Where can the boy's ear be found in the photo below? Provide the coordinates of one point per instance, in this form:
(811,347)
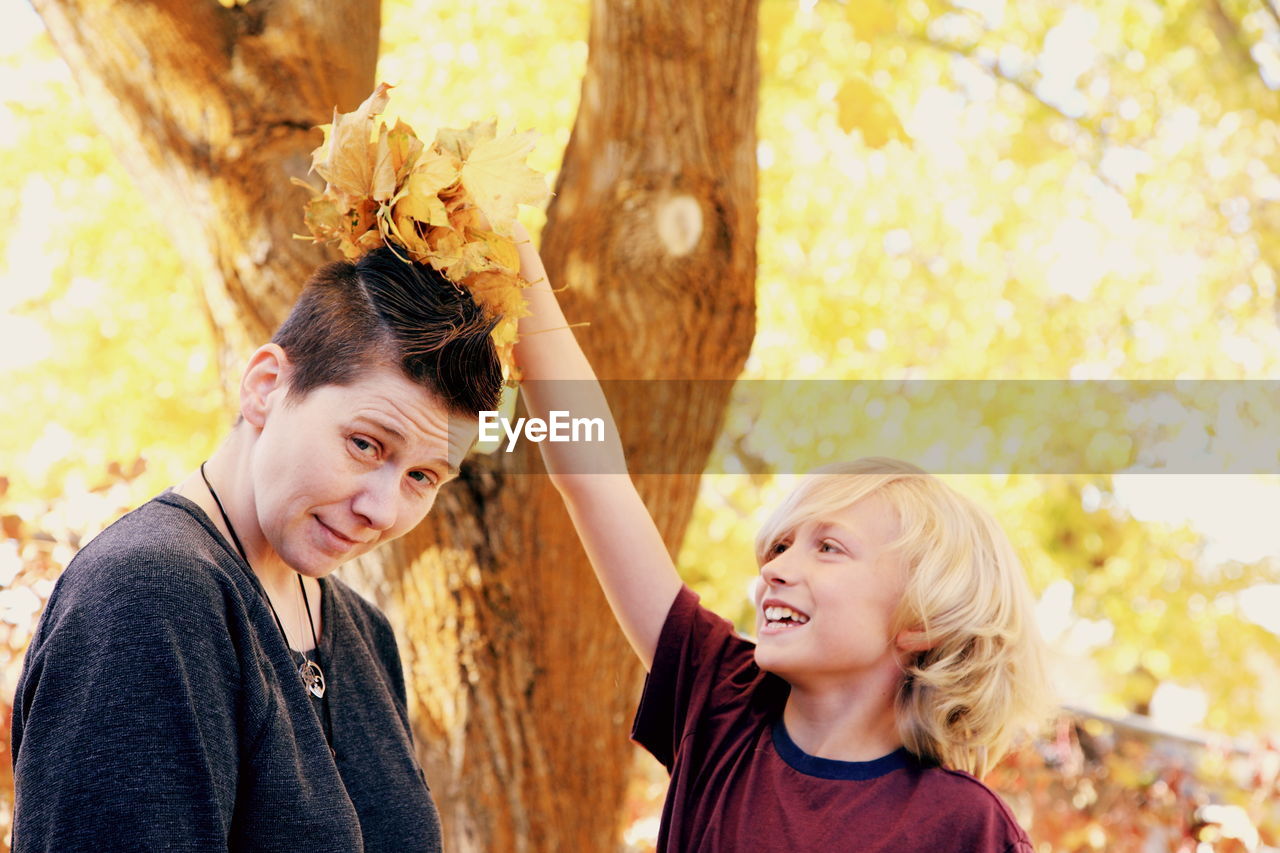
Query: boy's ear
(266,373)
(913,641)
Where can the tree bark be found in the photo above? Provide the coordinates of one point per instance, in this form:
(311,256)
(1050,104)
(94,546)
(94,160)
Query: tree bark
(212,111)
(652,231)
(522,686)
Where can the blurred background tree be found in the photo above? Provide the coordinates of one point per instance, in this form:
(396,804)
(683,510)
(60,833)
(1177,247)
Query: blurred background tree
(963,190)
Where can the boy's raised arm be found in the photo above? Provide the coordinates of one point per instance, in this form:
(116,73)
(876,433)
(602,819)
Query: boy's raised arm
(620,538)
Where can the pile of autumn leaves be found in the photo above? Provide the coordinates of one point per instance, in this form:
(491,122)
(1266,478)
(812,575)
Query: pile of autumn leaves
(451,204)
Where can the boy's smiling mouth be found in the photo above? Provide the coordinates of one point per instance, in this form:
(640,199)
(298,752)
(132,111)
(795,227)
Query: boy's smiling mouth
(780,617)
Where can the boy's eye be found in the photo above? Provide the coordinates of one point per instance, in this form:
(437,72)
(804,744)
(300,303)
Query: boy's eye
(829,546)
(778,548)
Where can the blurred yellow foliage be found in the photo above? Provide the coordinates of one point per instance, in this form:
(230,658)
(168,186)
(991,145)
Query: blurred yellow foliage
(871,19)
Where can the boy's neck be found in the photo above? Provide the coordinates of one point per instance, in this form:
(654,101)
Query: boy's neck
(858,724)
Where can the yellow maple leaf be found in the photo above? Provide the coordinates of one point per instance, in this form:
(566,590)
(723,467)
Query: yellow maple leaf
(506,355)
(498,179)
(463,218)
(444,247)
(383,181)
(405,148)
(419,197)
(349,249)
(405,231)
(427,209)
(363,217)
(369,240)
(501,250)
(454,197)
(504,334)
(345,159)
(472,258)
(435,170)
(498,293)
(325,219)
(462,141)
(424,207)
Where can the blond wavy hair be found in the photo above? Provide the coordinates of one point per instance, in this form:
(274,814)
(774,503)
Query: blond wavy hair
(981,678)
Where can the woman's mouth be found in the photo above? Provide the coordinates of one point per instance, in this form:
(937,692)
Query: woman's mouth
(335,541)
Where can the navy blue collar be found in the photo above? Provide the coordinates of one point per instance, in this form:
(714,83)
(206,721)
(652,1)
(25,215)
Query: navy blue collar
(829,768)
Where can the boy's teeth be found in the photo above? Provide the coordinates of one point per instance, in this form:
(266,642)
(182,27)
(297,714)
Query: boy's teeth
(775,613)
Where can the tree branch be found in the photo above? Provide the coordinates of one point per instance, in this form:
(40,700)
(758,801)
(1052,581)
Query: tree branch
(1272,10)
(1227,30)
(1025,86)
(1094,130)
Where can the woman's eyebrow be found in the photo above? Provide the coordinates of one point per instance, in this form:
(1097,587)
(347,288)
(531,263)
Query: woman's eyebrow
(383,426)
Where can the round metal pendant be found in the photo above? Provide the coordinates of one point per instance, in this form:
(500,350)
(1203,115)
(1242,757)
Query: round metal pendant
(312,678)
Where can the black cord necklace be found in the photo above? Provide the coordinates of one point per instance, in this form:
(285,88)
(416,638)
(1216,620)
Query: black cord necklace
(311,673)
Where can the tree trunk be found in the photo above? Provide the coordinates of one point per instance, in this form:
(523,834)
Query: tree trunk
(653,232)
(213,110)
(523,687)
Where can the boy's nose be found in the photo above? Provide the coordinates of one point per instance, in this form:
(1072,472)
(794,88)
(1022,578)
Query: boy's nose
(777,572)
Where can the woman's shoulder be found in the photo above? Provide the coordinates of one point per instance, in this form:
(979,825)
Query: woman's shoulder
(148,604)
(366,615)
(377,640)
(163,554)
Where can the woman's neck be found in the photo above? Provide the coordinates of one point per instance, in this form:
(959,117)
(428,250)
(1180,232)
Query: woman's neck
(229,477)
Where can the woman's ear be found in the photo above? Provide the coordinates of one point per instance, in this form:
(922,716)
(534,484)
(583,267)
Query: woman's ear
(265,374)
(913,641)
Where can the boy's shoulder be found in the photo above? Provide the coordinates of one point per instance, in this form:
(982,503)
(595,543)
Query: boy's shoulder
(963,807)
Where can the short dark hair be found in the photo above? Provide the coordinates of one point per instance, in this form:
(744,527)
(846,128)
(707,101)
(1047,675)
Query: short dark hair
(380,310)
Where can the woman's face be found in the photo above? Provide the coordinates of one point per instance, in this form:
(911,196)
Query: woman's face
(348,467)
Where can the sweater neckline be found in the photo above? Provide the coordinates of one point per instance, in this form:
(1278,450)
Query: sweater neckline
(326,599)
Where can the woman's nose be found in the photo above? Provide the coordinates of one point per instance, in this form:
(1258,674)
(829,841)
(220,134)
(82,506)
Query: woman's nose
(376,501)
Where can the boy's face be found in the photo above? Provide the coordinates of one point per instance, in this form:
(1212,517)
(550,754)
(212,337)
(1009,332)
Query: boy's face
(825,602)
(349,467)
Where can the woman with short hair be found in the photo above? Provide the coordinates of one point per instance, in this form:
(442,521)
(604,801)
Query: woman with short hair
(198,681)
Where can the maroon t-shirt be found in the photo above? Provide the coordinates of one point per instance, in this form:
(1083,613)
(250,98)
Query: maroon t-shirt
(738,781)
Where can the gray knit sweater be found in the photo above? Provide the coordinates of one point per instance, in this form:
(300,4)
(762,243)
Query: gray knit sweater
(160,709)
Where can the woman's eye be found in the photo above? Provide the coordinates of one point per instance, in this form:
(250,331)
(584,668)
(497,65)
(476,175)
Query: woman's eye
(363,445)
(778,548)
(828,546)
(422,477)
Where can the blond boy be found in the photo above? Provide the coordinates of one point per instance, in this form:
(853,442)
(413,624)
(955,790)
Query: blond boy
(895,650)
